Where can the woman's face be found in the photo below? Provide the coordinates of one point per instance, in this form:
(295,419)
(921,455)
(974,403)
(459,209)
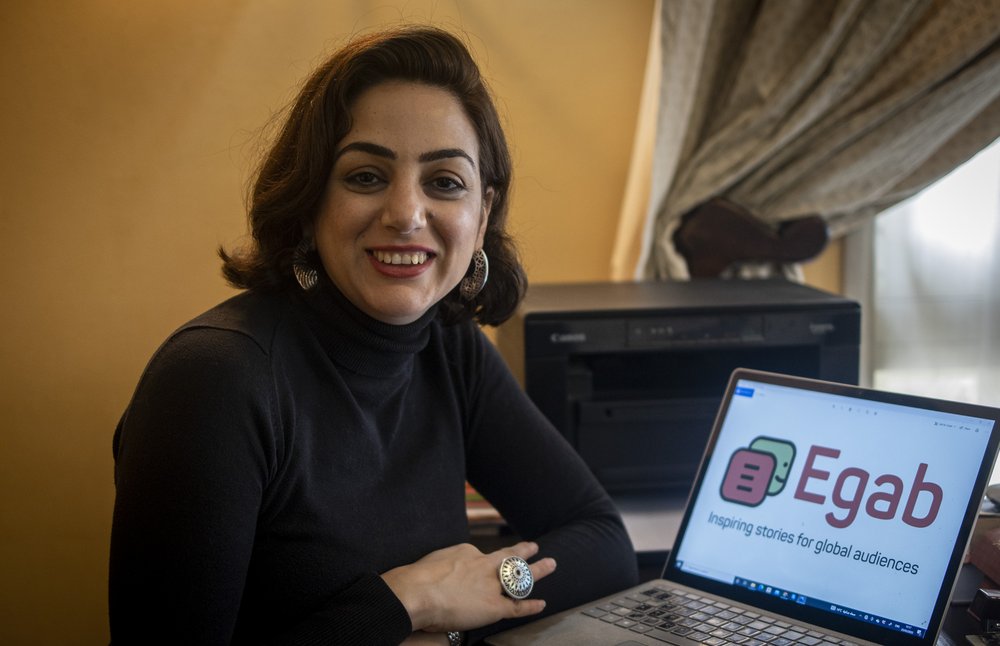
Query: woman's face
(404,208)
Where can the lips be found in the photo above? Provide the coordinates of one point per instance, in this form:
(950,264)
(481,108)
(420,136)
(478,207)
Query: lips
(401,263)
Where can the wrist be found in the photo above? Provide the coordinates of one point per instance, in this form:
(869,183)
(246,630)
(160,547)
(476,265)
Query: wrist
(408,596)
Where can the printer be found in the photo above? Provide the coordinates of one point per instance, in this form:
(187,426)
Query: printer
(632,373)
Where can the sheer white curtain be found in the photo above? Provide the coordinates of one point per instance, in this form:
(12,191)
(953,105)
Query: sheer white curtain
(935,310)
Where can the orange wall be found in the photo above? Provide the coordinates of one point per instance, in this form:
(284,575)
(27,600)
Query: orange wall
(128,131)
(825,271)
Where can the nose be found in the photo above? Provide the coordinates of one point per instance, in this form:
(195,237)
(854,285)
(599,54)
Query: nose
(404,208)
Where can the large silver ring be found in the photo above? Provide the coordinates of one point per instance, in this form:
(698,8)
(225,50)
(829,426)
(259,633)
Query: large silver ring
(515,577)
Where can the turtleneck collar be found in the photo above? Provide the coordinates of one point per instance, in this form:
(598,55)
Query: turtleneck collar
(358,342)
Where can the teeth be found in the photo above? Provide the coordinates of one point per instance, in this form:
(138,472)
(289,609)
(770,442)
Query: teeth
(411,258)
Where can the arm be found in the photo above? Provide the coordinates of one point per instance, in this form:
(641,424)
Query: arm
(541,486)
(195,454)
(190,466)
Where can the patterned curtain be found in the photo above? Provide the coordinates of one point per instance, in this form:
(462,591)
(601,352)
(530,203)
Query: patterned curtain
(839,108)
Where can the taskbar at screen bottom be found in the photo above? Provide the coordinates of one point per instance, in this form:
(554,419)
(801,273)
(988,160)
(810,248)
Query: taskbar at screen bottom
(791,596)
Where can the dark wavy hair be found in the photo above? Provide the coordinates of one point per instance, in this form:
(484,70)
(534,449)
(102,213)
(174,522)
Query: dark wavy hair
(292,177)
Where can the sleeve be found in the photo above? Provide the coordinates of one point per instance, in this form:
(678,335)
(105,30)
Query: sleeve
(521,463)
(366,612)
(193,456)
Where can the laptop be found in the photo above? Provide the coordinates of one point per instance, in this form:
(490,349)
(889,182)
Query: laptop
(822,513)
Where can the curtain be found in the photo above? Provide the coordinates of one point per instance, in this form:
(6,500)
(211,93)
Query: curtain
(789,108)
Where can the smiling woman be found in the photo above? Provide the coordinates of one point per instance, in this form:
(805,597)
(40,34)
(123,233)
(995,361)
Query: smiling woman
(292,466)
(150,116)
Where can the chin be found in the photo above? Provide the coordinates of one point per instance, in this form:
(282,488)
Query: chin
(399,316)
(397,307)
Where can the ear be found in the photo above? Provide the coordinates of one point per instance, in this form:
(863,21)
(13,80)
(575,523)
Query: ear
(484,219)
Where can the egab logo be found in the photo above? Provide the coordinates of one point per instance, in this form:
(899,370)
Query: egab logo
(762,470)
(757,472)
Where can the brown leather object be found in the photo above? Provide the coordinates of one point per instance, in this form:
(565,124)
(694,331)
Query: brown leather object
(718,233)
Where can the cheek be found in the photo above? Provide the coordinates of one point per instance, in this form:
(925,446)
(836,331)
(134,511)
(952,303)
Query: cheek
(465,240)
(460,228)
(337,229)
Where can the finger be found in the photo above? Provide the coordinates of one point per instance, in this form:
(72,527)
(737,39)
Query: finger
(527,607)
(524,549)
(542,568)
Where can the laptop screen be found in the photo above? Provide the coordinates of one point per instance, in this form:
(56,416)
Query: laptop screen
(835,504)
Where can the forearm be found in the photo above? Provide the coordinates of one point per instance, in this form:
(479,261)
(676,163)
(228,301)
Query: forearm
(542,487)
(367,612)
(596,558)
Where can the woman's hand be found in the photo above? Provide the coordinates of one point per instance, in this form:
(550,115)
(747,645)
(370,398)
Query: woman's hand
(457,588)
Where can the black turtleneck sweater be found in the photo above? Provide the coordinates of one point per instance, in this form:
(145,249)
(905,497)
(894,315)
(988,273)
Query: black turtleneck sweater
(282,450)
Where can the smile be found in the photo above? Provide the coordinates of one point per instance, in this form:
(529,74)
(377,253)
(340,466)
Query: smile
(396,258)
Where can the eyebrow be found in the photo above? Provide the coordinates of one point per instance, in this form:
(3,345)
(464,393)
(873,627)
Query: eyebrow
(382,151)
(447,153)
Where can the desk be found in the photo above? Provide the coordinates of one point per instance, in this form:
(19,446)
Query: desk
(651,519)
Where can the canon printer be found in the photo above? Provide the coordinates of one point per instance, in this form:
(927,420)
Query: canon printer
(632,373)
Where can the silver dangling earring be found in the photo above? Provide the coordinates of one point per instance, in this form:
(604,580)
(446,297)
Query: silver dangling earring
(306,275)
(472,284)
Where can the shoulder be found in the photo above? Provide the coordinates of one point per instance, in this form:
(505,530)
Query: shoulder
(258,317)
(209,391)
(232,343)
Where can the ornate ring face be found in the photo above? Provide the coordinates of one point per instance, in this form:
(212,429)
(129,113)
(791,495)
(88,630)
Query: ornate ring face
(515,577)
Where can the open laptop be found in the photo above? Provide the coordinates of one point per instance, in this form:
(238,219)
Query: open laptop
(821,514)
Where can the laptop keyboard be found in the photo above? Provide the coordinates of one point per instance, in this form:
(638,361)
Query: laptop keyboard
(664,614)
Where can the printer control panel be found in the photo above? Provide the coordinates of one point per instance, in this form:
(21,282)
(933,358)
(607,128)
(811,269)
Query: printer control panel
(670,330)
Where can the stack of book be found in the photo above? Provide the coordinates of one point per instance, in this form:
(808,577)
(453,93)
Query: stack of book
(480,512)
(984,553)
(984,547)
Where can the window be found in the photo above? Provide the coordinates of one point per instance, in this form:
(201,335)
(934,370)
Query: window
(927,273)
(935,314)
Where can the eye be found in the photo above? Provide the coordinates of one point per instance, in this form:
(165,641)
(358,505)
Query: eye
(447,185)
(364,180)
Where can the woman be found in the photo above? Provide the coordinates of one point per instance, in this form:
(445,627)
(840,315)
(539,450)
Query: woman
(291,467)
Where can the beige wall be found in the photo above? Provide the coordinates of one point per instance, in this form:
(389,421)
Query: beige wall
(128,131)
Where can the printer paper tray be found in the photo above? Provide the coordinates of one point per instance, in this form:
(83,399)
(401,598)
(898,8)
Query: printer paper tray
(644,444)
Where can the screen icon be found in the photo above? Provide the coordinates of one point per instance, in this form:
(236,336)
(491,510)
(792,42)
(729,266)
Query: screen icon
(748,477)
(758,471)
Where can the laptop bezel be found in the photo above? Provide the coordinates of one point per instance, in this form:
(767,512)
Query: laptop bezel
(799,613)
